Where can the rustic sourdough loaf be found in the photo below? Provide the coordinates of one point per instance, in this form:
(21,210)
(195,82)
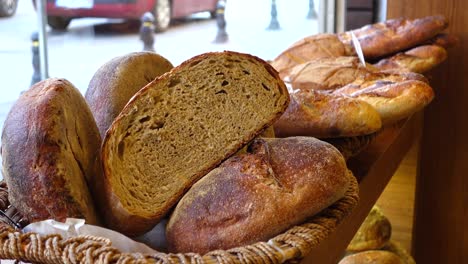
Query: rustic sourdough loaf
(254,196)
(179,127)
(50,143)
(374,232)
(115,82)
(372,257)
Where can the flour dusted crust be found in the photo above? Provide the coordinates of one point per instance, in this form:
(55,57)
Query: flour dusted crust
(256,195)
(50,151)
(179,127)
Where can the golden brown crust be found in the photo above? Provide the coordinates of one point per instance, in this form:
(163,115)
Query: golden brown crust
(118,215)
(372,257)
(115,82)
(308,48)
(374,232)
(396,248)
(322,115)
(445,40)
(254,196)
(50,146)
(326,73)
(420,59)
(395,97)
(394,35)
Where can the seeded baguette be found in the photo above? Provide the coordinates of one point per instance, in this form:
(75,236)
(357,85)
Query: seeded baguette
(179,127)
(115,82)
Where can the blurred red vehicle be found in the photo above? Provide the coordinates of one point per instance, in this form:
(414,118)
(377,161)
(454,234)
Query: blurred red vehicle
(61,12)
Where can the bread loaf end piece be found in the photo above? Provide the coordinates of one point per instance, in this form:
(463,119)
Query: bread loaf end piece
(372,257)
(50,145)
(179,127)
(254,196)
(115,82)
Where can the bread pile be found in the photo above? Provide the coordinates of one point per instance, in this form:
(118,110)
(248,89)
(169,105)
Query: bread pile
(150,142)
(333,95)
(372,243)
(182,147)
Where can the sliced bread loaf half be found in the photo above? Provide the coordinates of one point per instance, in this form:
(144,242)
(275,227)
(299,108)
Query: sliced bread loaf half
(178,128)
(115,82)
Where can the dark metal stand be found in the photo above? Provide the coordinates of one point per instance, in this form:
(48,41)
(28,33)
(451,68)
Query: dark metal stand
(36,77)
(312,13)
(274,24)
(147,31)
(221,36)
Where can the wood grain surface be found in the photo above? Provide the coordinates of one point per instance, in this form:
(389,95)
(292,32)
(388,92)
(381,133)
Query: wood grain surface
(441,210)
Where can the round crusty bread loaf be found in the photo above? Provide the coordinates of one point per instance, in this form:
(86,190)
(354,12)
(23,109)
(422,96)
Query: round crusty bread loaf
(50,150)
(179,127)
(254,196)
(372,257)
(115,82)
(374,232)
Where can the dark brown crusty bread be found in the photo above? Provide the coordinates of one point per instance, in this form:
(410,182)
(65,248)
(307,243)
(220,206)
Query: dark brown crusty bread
(309,48)
(394,35)
(179,127)
(374,232)
(254,196)
(394,96)
(115,82)
(50,146)
(372,257)
(322,115)
(420,59)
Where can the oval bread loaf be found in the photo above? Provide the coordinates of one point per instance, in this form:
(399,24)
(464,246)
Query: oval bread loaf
(179,127)
(115,82)
(50,146)
(372,257)
(254,196)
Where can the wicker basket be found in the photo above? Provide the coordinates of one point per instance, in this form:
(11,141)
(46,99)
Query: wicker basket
(290,246)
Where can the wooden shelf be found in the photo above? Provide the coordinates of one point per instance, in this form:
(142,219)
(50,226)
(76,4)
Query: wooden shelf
(373,168)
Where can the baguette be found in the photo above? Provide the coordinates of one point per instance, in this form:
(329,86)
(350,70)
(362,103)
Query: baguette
(395,97)
(50,150)
(115,82)
(394,35)
(252,197)
(420,59)
(179,127)
(317,114)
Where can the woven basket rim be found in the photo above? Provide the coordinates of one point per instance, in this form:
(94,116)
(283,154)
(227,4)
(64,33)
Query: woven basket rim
(293,244)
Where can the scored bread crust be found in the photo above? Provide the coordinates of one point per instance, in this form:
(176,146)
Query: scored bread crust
(306,49)
(254,196)
(395,97)
(420,59)
(322,115)
(181,106)
(394,35)
(326,73)
(50,147)
(115,82)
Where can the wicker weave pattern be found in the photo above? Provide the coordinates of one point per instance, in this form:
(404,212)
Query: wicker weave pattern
(291,245)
